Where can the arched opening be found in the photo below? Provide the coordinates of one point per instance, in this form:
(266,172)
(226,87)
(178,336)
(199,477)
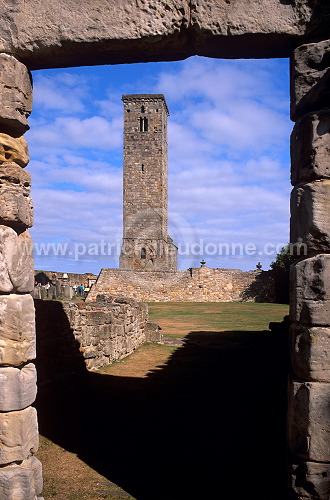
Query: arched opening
(143,253)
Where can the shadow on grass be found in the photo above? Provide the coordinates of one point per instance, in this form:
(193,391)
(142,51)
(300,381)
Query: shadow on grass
(209,424)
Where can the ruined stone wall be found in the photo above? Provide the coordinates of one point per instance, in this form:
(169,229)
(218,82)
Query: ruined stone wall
(73,337)
(72,279)
(196,285)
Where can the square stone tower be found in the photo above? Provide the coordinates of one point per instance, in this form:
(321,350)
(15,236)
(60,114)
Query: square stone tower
(146,244)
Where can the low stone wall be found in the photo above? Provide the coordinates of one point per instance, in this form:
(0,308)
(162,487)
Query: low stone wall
(193,285)
(63,277)
(73,336)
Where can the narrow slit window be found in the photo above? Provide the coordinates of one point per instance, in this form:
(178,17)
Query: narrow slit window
(143,124)
(143,253)
(142,167)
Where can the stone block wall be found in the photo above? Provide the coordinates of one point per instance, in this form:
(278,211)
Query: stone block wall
(309,385)
(20,471)
(195,285)
(73,337)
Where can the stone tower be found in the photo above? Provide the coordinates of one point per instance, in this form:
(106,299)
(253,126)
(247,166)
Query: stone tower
(146,244)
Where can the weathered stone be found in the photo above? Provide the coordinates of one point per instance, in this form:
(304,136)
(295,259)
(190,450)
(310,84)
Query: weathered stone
(153,332)
(16,261)
(309,420)
(17,483)
(15,94)
(310,481)
(117,331)
(310,352)
(310,291)
(90,352)
(109,31)
(310,221)
(21,482)
(310,78)
(18,435)
(13,150)
(110,350)
(95,317)
(16,208)
(17,329)
(35,466)
(18,387)
(310,148)
(222,21)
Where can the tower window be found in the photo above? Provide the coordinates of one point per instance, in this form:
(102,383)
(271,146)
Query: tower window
(143,253)
(142,109)
(142,167)
(143,124)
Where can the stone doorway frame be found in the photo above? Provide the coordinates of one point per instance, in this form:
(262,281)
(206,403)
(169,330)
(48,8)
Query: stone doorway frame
(34,35)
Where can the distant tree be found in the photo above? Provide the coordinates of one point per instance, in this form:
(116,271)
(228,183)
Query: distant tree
(281,271)
(258,266)
(284,259)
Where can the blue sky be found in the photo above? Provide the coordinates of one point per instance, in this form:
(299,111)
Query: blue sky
(229,161)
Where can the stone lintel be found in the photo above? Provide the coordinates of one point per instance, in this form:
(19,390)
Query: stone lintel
(112,31)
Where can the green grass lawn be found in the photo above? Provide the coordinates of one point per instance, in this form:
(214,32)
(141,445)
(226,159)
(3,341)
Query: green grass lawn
(180,318)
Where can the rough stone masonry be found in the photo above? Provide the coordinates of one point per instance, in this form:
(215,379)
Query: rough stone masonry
(20,471)
(146,244)
(309,385)
(75,336)
(37,34)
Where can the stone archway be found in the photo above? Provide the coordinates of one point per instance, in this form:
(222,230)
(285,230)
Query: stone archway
(35,35)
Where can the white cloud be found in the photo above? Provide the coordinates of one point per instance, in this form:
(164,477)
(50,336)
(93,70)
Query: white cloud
(61,92)
(242,125)
(70,132)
